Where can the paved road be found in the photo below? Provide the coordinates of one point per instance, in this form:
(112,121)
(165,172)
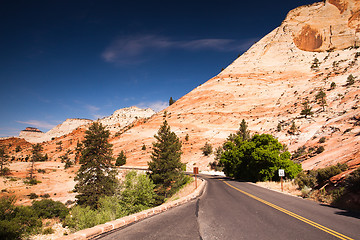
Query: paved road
(239,210)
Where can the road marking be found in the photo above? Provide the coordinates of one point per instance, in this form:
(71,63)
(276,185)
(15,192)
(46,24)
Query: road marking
(305,220)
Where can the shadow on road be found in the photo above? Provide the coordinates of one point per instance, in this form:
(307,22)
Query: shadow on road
(344,212)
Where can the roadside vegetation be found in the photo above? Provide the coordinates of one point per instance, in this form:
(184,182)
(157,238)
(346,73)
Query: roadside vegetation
(101,197)
(255,158)
(344,193)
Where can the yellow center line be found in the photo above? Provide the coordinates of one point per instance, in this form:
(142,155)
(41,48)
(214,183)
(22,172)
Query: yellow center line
(305,220)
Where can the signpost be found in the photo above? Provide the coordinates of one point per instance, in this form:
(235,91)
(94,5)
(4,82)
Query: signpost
(281,175)
(196,171)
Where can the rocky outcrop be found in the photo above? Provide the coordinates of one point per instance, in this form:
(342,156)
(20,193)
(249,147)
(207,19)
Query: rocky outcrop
(31,133)
(124,117)
(118,120)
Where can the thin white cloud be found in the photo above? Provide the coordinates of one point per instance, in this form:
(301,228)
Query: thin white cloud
(132,49)
(157,106)
(38,124)
(92,108)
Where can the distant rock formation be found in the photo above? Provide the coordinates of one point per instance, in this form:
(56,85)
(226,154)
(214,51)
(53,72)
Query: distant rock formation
(118,120)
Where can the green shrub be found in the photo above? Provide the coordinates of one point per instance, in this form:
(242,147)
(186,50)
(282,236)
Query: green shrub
(206,149)
(5,171)
(143,147)
(320,149)
(350,80)
(33,196)
(332,85)
(352,182)
(46,195)
(48,230)
(306,179)
(322,139)
(17,221)
(47,208)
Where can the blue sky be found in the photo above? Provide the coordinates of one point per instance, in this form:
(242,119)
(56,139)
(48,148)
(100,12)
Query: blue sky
(85,59)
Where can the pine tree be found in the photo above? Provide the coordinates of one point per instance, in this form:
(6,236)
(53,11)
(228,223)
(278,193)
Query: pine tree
(166,167)
(78,149)
(121,159)
(243,131)
(306,111)
(96,176)
(171,101)
(3,160)
(36,157)
(321,98)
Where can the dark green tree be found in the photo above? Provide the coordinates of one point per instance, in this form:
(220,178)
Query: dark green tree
(350,80)
(35,157)
(78,149)
(166,168)
(3,160)
(96,176)
(121,159)
(321,98)
(207,149)
(143,147)
(243,132)
(306,111)
(171,101)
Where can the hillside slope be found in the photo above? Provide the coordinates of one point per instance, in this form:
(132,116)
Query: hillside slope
(266,86)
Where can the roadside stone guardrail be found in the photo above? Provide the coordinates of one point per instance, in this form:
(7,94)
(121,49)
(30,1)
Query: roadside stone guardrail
(121,222)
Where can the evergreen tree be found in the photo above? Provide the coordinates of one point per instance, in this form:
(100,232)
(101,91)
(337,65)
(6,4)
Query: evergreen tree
(243,132)
(121,159)
(78,149)
(207,149)
(306,111)
(321,98)
(165,165)
(3,160)
(36,157)
(96,176)
(171,101)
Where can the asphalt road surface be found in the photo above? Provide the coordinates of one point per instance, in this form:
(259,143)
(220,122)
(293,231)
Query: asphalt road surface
(239,210)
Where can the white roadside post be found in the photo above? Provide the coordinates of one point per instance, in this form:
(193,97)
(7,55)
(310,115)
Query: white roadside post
(281,175)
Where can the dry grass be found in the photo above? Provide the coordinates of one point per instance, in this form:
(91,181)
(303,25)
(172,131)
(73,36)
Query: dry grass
(289,187)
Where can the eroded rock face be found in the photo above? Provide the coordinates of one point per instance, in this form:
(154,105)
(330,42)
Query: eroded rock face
(325,26)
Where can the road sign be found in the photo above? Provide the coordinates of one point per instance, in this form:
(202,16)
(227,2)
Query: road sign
(196,170)
(281,173)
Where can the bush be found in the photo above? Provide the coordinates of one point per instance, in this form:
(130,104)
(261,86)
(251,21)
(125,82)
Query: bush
(306,179)
(17,221)
(143,147)
(33,196)
(5,171)
(332,85)
(320,149)
(47,208)
(136,193)
(206,149)
(352,182)
(322,139)
(350,80)
(46,195)
(48,230)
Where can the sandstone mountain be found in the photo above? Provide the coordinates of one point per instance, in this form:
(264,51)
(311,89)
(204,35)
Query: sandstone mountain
(118,120)
(315,48)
